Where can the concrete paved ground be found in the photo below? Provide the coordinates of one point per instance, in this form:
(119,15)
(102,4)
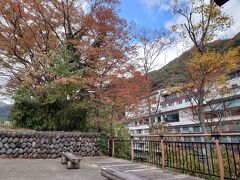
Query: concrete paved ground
(46,169)
(52,169)
(141,171)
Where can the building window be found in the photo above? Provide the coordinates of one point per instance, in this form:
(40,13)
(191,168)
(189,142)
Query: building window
(173,117)
(159,119)
(235,139)
(185,129)
(234,127)
(171,96)
(171,104)
(234,75)
(238,74)
(154,108)
(196,129)
(187,139)
(197,139)
(234,86)
(224,139)
(139,131)
(135,123)
(164,105)
(177,129)
(179,102)
(187,100)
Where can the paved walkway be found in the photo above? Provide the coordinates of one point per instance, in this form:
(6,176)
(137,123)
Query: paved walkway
(141,171)
(46,169)
(52,169)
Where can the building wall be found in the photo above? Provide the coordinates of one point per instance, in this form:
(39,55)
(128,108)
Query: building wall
(181,105)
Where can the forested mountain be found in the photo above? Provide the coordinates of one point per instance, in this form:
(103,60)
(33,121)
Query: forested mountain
(174,72)
(4,111)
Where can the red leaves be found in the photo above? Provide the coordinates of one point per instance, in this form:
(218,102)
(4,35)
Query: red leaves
(96,39)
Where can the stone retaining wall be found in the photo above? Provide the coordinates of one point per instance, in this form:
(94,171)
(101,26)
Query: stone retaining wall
(46,144)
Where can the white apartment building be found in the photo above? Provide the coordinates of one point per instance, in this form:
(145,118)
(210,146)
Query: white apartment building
(174,110)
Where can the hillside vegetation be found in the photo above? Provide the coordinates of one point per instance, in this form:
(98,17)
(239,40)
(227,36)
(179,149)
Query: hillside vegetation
(175,71)
(4,111)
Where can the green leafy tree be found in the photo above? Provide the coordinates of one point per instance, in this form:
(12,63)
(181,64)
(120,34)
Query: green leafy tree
(59,105)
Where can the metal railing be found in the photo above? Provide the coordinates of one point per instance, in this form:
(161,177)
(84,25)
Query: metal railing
(210,157)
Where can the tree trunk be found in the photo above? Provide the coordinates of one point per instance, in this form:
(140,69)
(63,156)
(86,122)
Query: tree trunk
(111,125)
(201,117)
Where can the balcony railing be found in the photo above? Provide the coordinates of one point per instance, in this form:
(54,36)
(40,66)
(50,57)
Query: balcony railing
(212,157)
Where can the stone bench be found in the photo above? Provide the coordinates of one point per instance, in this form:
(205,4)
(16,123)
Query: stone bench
(113,174)
(71,160)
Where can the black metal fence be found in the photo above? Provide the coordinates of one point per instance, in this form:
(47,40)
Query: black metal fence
(191,157)
(147,151)
(231,159)
(209,158)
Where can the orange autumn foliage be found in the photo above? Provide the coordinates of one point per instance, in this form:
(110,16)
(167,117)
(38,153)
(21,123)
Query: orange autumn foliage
(96,38)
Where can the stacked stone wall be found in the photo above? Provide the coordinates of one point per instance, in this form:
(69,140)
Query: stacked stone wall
(46,144)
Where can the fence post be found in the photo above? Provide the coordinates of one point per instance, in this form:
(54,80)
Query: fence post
(132,150)
(219,156)
(162,153)
(113,148)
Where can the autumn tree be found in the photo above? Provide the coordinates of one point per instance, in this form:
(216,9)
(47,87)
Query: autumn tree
(151,44)
(201,21)
(124,92)
(207,75)
(219,106)
(94,36)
